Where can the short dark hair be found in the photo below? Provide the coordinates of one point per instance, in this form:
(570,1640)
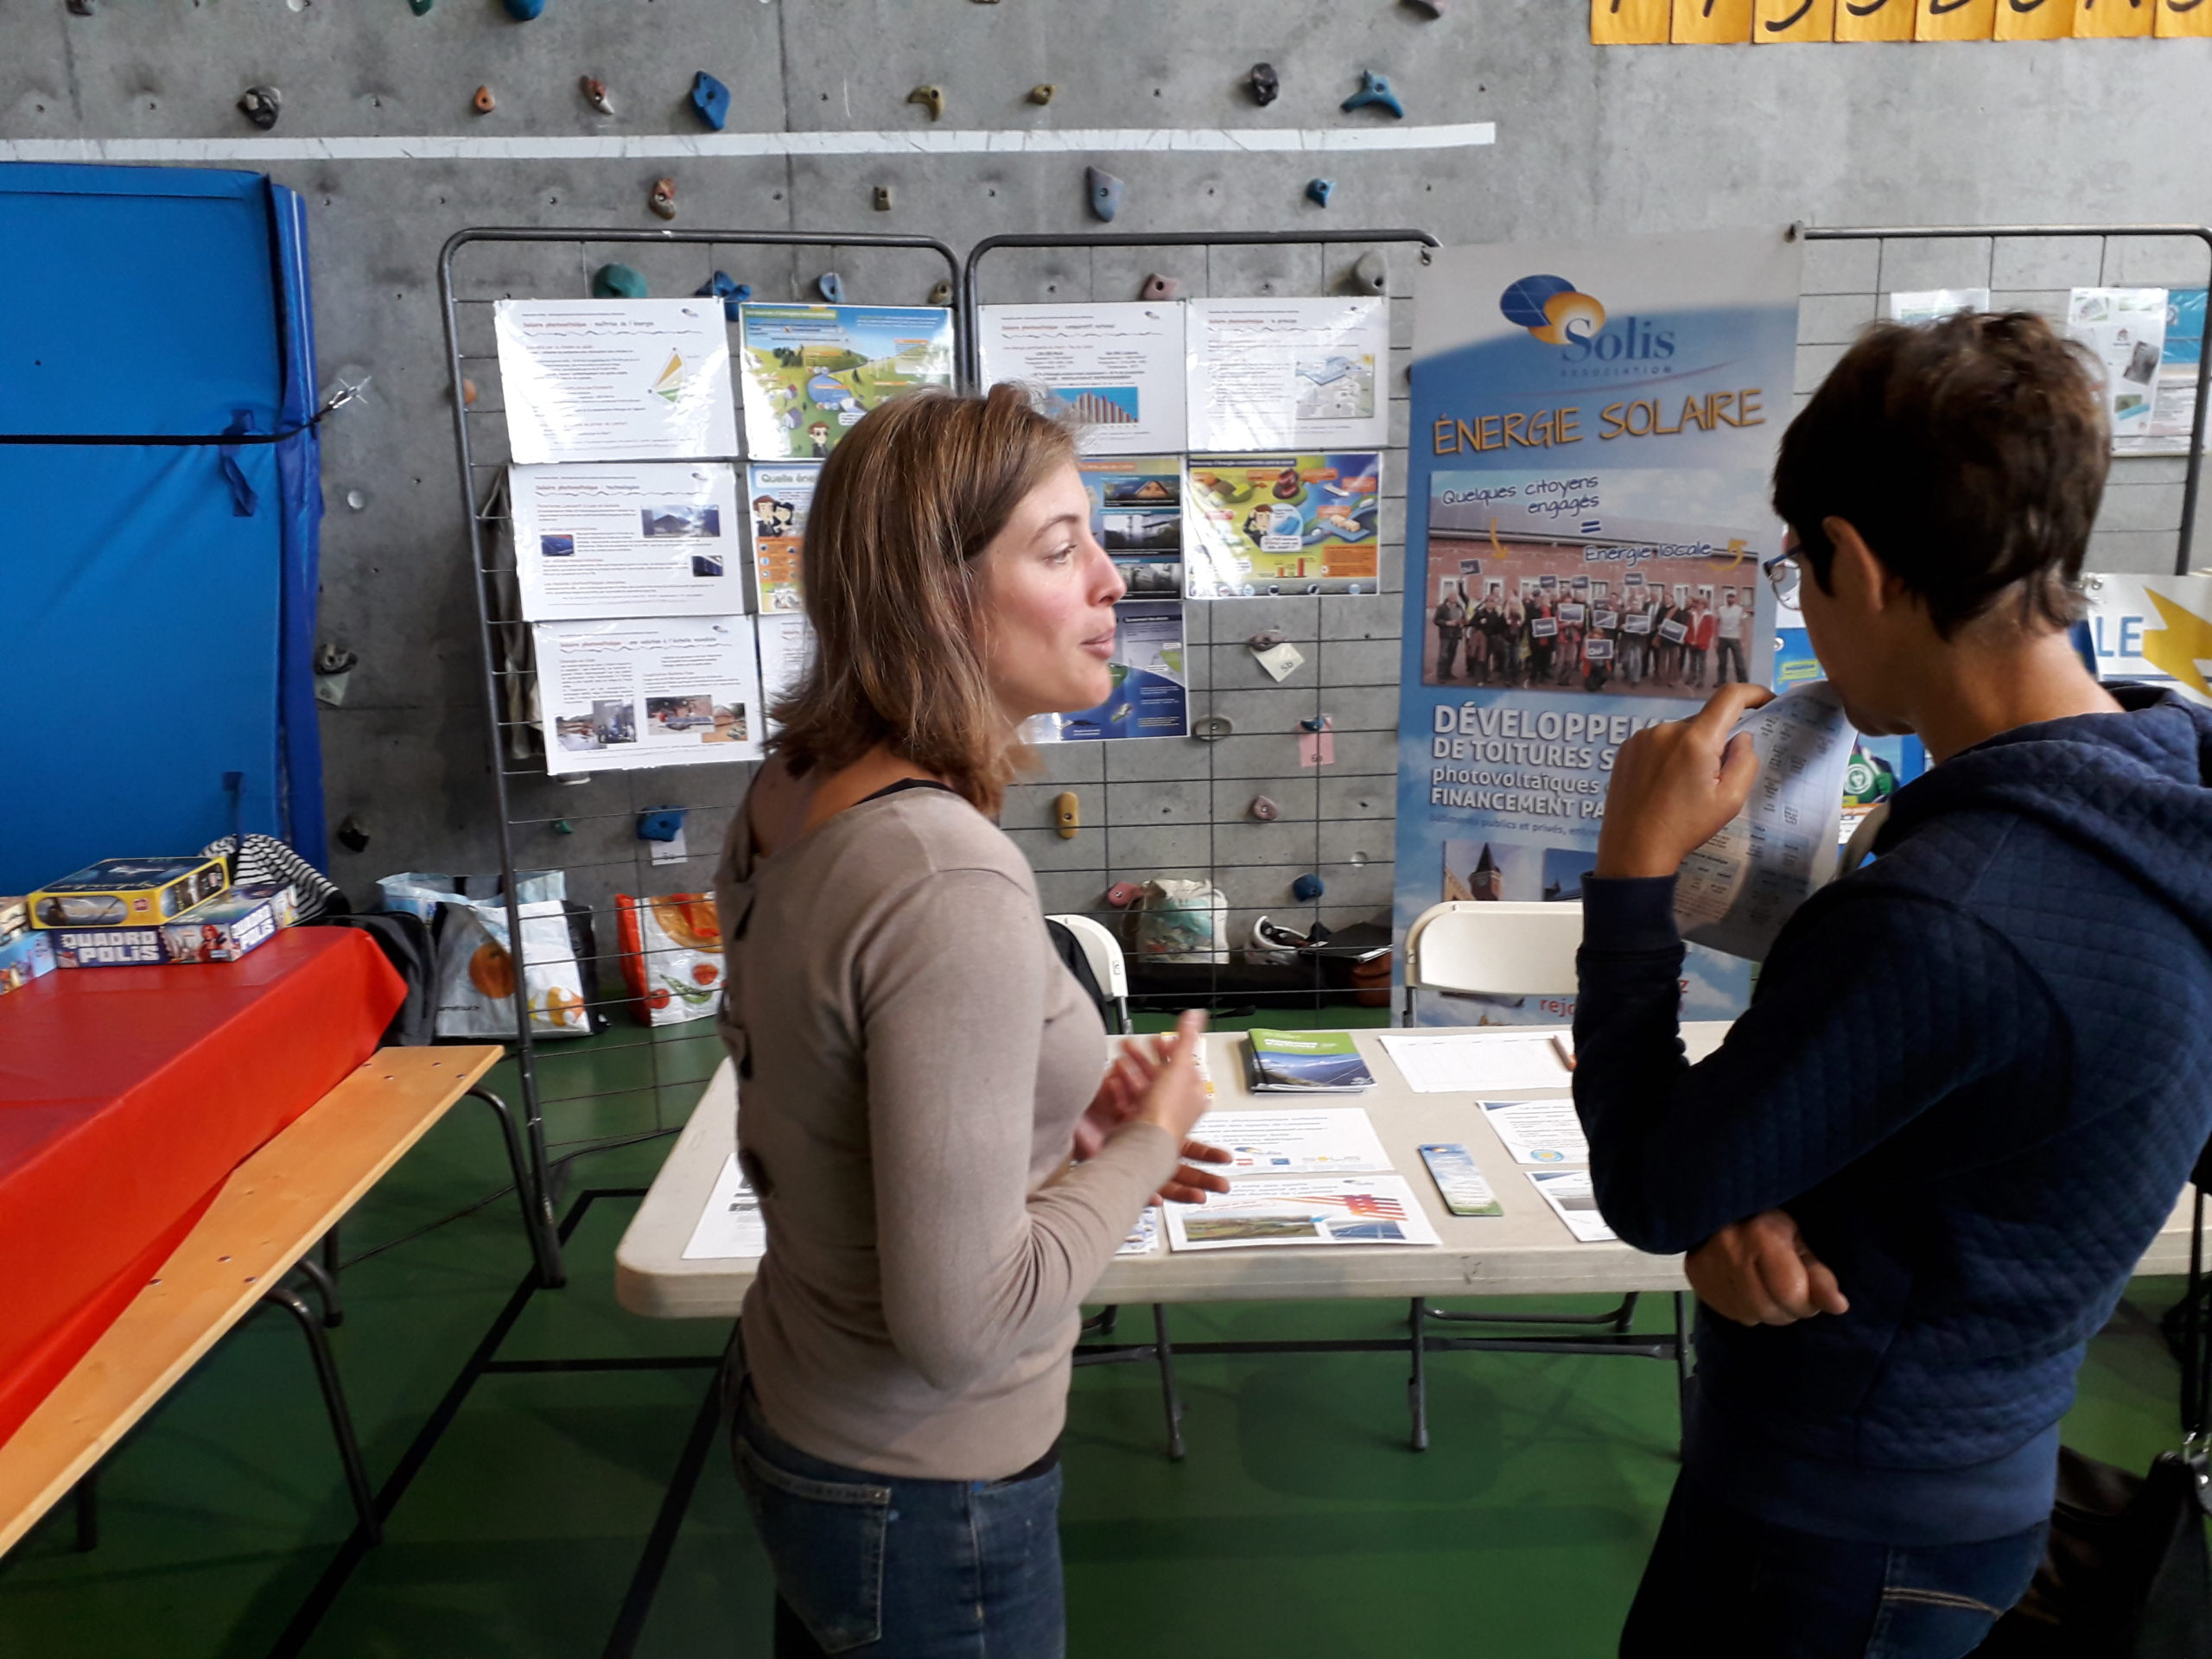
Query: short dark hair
(1970,454)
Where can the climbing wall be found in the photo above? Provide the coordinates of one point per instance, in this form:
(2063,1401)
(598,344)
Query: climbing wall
(1514,126)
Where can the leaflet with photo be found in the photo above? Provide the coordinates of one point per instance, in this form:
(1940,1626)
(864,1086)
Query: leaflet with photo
(1114,371)
(1266,1213)
(1305,1062)
(1324,1141)
(780,499)
(2126,329)
(810,373)
(1267,374)
(626,539)
(614,380)
(1136,515)
(1143,1237)
(1538,1131)
(1575,1201)
(663,691)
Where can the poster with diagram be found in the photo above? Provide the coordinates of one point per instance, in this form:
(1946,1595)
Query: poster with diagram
(1283,524)
(626,539)
(1151,696)
(780,497)
(810,373)
(1136,515)
(1291,374)
(2125,329)
(614,380)
(1115,372)
(659,691)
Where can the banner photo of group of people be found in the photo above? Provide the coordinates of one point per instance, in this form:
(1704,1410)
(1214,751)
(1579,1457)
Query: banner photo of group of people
(1593,430)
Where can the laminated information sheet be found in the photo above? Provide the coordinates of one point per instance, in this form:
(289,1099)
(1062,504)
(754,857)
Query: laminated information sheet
(1136,515)
(1323,1210)
(615,379)
(1267,374)
(730,1225)
(1325,1141)
(1151,696)
(1285,524)
(1735,892)
(663,691)
(2126,328)
(628,538)
(785,642)
(1114,371)
(780,497)
(811,371)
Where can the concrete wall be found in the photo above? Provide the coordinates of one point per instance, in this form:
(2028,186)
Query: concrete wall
(1589,142)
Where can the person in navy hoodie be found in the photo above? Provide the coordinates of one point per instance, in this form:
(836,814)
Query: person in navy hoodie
(1914,1180)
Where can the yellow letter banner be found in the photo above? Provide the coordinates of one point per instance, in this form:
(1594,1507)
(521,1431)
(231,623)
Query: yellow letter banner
(1874,20)
(1786,23)
(2034,19)
(2111,19)
(1631,23)
(1955,20)
(2180,18)
(1719,23)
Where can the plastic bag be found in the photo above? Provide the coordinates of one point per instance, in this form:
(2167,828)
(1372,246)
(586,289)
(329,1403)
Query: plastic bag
(419,892)
(1182,921)
(671,952)
(477,978)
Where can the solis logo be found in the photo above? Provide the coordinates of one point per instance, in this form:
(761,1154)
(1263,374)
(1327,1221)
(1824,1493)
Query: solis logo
(1555,312)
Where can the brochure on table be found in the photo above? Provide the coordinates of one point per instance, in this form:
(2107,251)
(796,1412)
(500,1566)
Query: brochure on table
(663,691)
(1115,371)
(614,380)
(1593,431)
(731,1224)
(627,539)
(1267,1211)
(1469,1062)
(1322,1140)
(1544,1133)
(1575,1201)
(810,373)
(1303,523)
(779,497)
(1289,374)
(1136,515)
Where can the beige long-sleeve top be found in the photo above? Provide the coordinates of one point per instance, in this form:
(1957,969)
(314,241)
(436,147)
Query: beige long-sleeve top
(912,1058)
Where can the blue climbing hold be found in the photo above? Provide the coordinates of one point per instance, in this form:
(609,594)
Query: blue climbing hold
(1318,191)
(619,283)
(1103,191)
(523,10)
(1306,889)
(711,99)
(731,294)
(831,287)
(1375,90)
(662,823)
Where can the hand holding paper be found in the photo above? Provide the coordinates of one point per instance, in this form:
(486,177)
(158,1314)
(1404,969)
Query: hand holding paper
(1676,786)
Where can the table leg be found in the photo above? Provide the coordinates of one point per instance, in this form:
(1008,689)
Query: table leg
(325,1287)
(332,1315)
(1169,1399)
(1417,1385)
(333,1399)
(536,1213)
(88,1510)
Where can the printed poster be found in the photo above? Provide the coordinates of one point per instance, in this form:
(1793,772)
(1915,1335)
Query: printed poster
(1113,372)
(1136,515)
(1289,374)
(2154,630)
(1284,523)
(1593,428)
(1151,696)
(2126,329)
(662,691)
(2181,359)
(614,380)
(810,372)
(626,539)
(786,642)
(781,497)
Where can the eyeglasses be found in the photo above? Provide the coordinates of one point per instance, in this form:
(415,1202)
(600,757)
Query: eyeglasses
(1784,575)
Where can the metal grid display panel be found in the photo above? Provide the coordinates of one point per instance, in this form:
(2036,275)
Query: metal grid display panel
(631,1080)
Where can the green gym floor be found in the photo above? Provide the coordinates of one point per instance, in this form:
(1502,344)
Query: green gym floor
(1299,1523)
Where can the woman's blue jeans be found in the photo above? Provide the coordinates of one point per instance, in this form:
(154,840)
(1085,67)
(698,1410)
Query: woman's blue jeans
(1725,1585)
(886,1568)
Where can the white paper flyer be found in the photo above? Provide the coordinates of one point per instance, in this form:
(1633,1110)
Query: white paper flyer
(1327,1140)
(661,691)
(615,379)
(1540,1132)
(785,643)
(1573,1201)
(1269,374)
(730,1225)
(2126,328)
(1325,1211)
(781,496)
(1735,892)
(628,538)
(1115,371)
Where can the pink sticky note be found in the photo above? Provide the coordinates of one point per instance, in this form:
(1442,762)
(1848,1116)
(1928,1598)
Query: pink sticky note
(1317,748)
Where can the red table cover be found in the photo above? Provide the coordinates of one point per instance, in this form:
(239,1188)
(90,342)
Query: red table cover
(127,1094)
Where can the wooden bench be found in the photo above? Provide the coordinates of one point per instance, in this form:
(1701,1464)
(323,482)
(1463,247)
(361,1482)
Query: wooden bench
(267,1219)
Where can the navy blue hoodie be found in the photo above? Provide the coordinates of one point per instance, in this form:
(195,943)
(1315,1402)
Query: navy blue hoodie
(1977,1072)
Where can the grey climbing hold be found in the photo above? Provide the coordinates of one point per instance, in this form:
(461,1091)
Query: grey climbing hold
(484,103)
(831,287)
(1042,92)
(1318,191)
(1374,89)
(1317,723)
(1264,810)
(1431,9)
(619,283)
(80,7)
(731,294)
(1212,728)
(596,94)
(663,200)
(1266,86)
(882,197)
(930,99)
(1157,287)
(353,835)
(710,100)
(1103,191)
(1372,273)
(1307,888)
(941,292)
(523,10)
(1265,639)
(259,105)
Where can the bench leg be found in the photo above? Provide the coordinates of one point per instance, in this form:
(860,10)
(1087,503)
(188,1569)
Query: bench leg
(1417,1385)
(88,1511)
(326,1288)
(342,1421)
(536,1206)
(1171,1401)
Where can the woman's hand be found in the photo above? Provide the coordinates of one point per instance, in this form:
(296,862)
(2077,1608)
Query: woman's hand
(1125,1094)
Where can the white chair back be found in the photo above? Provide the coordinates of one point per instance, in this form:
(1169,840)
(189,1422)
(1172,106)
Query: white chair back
(1103,952)
(1491,948)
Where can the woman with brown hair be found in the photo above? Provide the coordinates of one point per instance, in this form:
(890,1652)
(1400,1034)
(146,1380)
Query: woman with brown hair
(916,1066)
